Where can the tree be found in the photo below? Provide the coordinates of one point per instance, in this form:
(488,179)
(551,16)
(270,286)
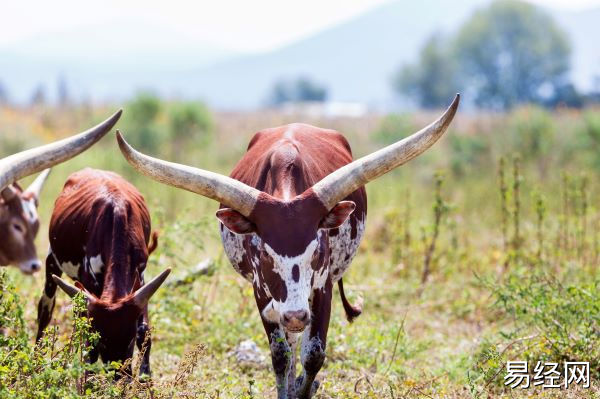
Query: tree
(298,90)
(140,121)
(432,81)
(512,52)
(189,123)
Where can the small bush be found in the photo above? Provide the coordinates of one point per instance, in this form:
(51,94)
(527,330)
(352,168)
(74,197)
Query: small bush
(551,320)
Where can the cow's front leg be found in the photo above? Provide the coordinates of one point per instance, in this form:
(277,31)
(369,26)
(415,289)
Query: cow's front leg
(314,340)
(280,357)
(292,339)
(143,330)
(48,299)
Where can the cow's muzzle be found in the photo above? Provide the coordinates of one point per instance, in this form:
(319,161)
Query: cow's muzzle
(295,321)
(30,266)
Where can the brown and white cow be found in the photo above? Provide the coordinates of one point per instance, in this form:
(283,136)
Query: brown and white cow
(19,221)
(293,214)
(100,237)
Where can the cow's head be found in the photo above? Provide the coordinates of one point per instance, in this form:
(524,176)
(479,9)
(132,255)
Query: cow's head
(293,254)
(116,321)
(293,257)
(19,225)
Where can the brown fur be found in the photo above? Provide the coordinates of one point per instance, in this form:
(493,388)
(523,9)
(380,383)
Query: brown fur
(100,213)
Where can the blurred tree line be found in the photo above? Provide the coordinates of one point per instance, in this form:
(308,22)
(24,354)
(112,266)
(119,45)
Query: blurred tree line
(151,123)
(297,90)
(508,53)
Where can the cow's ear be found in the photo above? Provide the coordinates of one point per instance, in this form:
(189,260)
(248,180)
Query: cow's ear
(235,221)
(9,193)
(337,215)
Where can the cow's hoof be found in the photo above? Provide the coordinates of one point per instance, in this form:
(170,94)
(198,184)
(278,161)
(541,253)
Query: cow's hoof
(301,390)
(145,373)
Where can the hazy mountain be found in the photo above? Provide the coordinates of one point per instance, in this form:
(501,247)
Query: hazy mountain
(357,60)
(354,60)
(104,62)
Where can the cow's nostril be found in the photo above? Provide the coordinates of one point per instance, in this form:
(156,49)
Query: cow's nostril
(35,266)
(295,320)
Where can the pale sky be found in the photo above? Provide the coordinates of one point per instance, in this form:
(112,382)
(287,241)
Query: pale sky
(257,25)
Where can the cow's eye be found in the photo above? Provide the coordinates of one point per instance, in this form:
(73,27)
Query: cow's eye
(18,227)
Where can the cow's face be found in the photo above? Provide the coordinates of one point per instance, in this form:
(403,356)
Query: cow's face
(290,255)
(117,325)
(19,225)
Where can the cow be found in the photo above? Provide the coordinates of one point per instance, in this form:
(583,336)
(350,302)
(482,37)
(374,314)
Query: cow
(100,236)
(19,220)
(292,216)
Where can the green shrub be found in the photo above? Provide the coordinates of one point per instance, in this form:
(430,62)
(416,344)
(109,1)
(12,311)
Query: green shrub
(551,320)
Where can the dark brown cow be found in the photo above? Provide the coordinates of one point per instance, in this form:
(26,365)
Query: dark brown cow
(99,236)
(19,221)
(293,214)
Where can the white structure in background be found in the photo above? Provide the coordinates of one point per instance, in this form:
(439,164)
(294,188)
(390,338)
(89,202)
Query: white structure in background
(332,109)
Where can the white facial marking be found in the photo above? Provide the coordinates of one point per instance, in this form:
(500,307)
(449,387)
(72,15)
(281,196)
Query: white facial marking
(270,313)
(30,210)
(297,292)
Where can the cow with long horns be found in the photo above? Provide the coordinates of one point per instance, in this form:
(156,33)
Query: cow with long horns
(100,237)
(292,216)
(19,221)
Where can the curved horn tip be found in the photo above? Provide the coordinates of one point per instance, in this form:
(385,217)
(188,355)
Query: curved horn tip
(456,101)
(453,106)
(166,272)
(144,293)
(114,118)
(117,114)
(124,146)
(66,287)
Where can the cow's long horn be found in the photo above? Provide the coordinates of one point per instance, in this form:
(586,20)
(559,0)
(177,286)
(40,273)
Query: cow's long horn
(339,184)
(223,189)
(22,164)
(143,295)
(36,186)
(71,290)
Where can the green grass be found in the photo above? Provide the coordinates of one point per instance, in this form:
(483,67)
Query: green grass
(484,302)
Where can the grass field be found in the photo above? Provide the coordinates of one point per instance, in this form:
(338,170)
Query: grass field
(513,273)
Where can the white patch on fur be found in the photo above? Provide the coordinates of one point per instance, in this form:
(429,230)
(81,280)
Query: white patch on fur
(233,244)
(297,292)
(308,345)
(29,210)
(47,302)
(70,269)
(96,264)
(343,247)
(271,314)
